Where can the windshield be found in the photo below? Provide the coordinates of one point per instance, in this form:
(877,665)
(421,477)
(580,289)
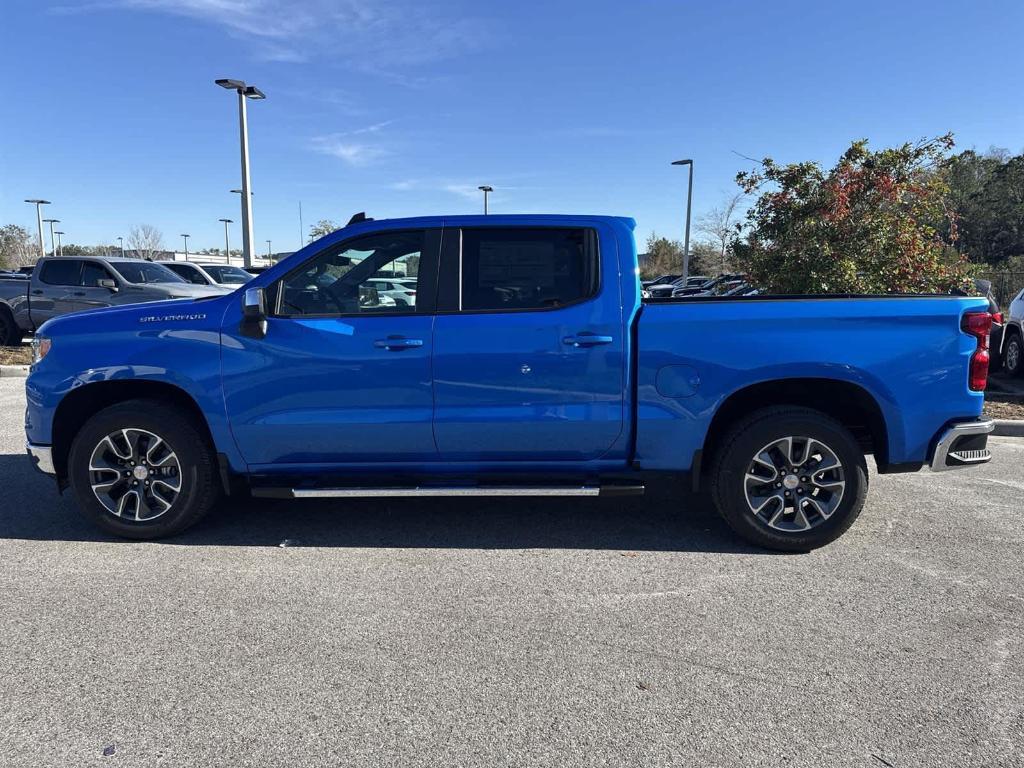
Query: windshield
(223,273)
(145,272)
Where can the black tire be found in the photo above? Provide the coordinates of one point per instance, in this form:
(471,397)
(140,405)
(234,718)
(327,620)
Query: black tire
(736,457)
(200,488)
(10,334)
(1013,359)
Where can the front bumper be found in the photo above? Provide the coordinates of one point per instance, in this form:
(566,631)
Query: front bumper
(41,457)
(963,445)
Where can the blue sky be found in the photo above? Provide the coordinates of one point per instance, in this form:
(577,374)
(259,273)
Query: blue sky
(401,108)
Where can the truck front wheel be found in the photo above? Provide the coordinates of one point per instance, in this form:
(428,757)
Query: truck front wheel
(790,479)
(1013,355)
(143,469)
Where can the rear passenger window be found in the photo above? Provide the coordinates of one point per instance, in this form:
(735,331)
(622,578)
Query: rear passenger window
(61,272)
(513,269)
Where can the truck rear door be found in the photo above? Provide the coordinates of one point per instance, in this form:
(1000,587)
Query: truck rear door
(529,348)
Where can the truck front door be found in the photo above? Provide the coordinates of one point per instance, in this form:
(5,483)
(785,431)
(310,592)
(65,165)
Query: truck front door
(343,373)
(529,347)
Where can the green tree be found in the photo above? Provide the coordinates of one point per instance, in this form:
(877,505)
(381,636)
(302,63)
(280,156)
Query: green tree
(322,227)
(665,256)
(878,222)
(987,193)
(17,247)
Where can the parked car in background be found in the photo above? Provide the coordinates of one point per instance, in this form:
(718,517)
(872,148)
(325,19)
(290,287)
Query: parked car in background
(710,287)
(401,289)
(7,275)
(1011,345)
(529,367)
(203,273)
(63,284)
(665,290)
(662,279)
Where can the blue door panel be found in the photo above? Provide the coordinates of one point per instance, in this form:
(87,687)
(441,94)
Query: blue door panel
(516,386)
(323,391)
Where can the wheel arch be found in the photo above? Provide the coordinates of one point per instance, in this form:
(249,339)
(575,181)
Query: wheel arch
(79,404)
(850,404)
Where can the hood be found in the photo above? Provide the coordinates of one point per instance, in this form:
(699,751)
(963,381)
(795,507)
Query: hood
(151,314)
(187,290)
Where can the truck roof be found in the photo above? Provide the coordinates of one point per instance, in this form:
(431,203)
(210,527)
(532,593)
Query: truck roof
(497,219)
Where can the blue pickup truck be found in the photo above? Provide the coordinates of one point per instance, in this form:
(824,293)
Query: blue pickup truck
(525,363)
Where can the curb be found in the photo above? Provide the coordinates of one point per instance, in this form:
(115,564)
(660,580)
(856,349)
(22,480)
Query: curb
(1009,428)
(13,371)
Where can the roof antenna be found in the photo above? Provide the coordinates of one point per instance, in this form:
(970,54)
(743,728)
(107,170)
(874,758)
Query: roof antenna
(358,218)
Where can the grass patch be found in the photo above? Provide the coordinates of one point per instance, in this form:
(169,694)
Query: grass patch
(16,355)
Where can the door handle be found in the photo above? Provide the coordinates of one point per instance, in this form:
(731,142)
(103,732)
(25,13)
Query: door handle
(37,292)
(78,293)
(397,343)
(587,340)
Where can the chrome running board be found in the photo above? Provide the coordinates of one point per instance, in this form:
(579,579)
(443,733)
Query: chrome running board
(422,491)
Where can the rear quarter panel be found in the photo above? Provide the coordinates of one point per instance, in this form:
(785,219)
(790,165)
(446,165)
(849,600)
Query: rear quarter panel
(907,353)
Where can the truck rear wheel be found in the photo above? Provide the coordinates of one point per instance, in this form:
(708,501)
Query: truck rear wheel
(790,479)
(142,469)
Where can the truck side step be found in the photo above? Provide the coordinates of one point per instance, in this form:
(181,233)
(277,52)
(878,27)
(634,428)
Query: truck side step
(357,493)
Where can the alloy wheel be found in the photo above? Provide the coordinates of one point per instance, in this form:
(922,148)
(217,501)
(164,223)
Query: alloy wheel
(794,483)
(135,474)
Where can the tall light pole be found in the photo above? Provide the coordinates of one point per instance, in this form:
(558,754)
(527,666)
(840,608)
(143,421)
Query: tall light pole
(39,222)
(485,189)
(121,241)
(53,243)
(227,246)
(689,201)
(186,236)
(269,254)
(60,245)
(244,92)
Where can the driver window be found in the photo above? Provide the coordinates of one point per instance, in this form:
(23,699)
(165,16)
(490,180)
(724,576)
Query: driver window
(353,280)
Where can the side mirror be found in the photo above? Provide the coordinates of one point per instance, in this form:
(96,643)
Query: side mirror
(110,285)
(254,313)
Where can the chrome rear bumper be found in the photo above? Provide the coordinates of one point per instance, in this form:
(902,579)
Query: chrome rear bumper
(41,457)
(963,445)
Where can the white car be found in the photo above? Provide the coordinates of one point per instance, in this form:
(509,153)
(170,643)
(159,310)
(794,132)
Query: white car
(401,289)
(1012,344)
(220,275)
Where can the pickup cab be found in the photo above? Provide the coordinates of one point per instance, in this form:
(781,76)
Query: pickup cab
(62,284)
(526,364)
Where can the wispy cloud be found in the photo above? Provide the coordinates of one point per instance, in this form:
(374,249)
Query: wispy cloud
(349,31)
(467,190)
(355,152)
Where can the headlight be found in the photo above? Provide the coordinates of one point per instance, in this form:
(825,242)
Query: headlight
(40,346)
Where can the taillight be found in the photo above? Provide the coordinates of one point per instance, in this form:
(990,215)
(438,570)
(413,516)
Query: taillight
(997,318)
(978,325)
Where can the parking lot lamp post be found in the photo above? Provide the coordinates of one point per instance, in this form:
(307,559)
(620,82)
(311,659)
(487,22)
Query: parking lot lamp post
(60,244)
(689,201)
(486,190)
(268,251)
(53,246)
(186,236)
(121,241)
(244,92)
(227,246)
(39,222)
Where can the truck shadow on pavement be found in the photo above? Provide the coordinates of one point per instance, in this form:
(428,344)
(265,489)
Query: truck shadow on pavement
(669,519)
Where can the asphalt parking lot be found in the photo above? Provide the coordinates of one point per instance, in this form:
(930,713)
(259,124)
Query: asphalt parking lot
(458,632)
